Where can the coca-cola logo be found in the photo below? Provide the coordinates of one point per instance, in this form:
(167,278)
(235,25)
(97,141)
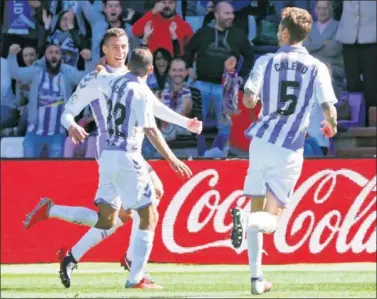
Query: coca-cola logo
(316,230)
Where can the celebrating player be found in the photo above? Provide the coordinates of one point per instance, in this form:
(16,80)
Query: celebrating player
(287,83)
(116,50)
(130,116)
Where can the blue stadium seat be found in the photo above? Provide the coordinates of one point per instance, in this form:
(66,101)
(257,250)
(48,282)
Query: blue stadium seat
(195,22)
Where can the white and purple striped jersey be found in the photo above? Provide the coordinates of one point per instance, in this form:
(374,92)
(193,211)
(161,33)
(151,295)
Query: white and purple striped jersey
(90,92)
(130,111)
(288,84)
(50,105)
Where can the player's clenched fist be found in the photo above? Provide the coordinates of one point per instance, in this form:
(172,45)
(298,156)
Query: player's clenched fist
(14,49)
(180,168)
(194,125)
(77,133)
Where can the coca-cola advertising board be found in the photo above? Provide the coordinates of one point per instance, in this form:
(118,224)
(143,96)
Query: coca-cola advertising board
(331,217)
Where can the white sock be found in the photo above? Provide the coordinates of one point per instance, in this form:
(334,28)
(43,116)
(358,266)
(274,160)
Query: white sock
(262,221)
(255,250)
(93,237)
(142,250)
(135,227)
(78,215)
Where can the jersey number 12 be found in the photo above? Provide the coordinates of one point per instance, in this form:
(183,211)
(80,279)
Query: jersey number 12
(119,113)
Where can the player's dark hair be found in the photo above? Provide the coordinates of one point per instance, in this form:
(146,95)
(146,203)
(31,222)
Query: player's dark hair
(140,62)
(179,59)
(113,32)
(298,22)
(48,45)
(104,2)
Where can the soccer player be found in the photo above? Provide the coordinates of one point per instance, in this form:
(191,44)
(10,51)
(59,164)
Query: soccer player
(130,116)
(116,50)
(287,83)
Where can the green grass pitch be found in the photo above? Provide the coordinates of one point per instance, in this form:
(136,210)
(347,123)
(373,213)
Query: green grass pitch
(101,280)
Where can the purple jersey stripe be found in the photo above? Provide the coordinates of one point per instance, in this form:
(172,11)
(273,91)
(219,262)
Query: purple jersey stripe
(119,98)
(289,142)
(58,126)
(266,98)
(101,126)
(127,120)
(266,88)
(96,108)
(101,143)
(284,119)
(115,83)
(249,129)
(46,120)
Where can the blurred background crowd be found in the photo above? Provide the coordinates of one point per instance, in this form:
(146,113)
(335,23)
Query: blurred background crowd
(203,53)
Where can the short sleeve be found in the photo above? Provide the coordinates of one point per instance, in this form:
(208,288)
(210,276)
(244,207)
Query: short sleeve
(143,108)
(323,89)
(255,80)
(85,93)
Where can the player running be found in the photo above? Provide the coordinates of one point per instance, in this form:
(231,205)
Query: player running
(288,83)
(116,50)
(130,117)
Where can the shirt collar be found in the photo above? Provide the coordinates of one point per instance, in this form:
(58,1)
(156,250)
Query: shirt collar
(287,49)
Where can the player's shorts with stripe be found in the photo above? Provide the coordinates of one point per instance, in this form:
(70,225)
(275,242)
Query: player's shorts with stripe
(272,168)
(124,180)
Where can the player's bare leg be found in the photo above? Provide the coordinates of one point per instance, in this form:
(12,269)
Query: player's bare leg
(109,217)
(70,258)
(78,215)
(262,219)
(126,260)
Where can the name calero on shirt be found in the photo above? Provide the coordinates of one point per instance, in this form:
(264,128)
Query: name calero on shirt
(291,65)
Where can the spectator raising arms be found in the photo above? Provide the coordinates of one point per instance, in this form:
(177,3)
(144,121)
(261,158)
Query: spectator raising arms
(161,17)
(67,35)
(51,86)
(111,17)
(213,45)
(177,96)
(321,43)
(148,30)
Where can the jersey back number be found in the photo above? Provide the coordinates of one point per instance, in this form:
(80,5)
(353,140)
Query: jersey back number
(287,102)
(117,115)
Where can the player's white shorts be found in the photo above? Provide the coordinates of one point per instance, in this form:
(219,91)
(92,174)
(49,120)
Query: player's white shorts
(124,180)
(272,168)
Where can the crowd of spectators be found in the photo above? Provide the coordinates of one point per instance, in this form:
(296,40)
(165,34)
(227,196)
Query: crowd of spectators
(47,46)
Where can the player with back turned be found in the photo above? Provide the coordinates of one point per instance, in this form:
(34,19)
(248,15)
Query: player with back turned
(287,83)
(91,92)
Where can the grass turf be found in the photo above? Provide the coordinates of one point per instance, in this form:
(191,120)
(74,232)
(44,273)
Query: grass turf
(106,280)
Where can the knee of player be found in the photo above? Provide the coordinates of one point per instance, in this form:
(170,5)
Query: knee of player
(125,216)
(159,193)
(150,221)
(106,222)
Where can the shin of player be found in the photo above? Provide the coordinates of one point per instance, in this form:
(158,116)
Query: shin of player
(276,150)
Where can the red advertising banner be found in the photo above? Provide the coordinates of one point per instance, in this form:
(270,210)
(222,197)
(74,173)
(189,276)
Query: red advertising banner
(331,217)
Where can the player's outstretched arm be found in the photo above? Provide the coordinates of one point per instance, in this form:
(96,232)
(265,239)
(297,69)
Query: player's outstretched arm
(158,141)
(77,102)
(164,113)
